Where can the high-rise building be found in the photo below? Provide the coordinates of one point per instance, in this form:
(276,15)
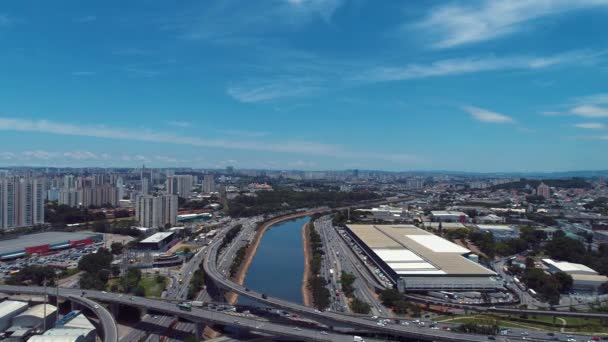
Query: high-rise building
(145,186)
(21,202)
(180,185)
(100,196)
(543,190)
(208,184)
(156,211)
(70,197)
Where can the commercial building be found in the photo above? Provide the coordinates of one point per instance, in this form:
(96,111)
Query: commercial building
(21,202)
(99,196)
(208,184)
(158,241)
(42,243)
(8,310)
(449,216)
(499,232)
(73,327)
(156,211)
(180,185)
(417,260)
(584,278)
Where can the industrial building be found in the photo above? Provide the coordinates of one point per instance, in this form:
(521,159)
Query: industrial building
(417,260)
(73,327)
(37,317)
(583,278)
(8,310)
(158,241)
(42,243)
(449,216)
(500,232)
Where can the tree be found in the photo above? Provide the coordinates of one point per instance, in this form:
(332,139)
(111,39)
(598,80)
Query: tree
(115,271)
(116,248)
(389,297)
(564,281)
(604,288)
(359,306)
(131,279)
(33,274)
(95,262)
(91,281)
(347,280)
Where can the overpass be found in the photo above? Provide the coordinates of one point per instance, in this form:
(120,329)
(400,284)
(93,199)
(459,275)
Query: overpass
(339,319)
(110,330)
(197,315)
(332,318)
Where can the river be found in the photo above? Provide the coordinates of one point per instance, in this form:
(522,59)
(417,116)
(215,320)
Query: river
(278,265)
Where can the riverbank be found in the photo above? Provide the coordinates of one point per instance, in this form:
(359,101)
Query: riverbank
(241,274)
(306,293)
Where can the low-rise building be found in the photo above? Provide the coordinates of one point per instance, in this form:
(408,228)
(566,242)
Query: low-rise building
(449,216)
(8,310)
(584,278)
(499,232)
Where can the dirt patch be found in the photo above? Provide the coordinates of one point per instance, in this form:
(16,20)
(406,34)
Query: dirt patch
(306,293)
(240,275)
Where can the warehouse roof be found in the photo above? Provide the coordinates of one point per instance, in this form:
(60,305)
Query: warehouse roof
(38,311)
(569,267)
(590,277)
(409,250)
(156,238)
(51,238)
(9,306)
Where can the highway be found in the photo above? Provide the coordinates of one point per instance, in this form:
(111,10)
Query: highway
(336,318)
(110,330)
(196,315)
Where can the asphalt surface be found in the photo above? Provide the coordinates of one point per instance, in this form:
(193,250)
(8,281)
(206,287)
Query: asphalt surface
(110,330)
(338,319)
(196,315)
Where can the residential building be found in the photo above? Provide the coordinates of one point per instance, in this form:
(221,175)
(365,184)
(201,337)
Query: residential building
(543,190)
(21,202)
(180,185)
(156,211)
(209,184)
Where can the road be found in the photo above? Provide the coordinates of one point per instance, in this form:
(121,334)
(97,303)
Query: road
(204,316)
(338,319)
(110,330)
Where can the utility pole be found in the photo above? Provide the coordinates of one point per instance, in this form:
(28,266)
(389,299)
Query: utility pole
(44,307)
(57,303)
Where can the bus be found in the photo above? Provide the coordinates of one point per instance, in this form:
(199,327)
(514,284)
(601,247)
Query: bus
(184,306)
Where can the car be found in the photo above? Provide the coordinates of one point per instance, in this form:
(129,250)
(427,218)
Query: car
(571,339)
(297,329)
(131,298)
(491,338)
(323,332)
(104,292)
(236,322)
(96,306)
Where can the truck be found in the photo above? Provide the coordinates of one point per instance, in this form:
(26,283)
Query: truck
(197,303)
(184,306)
(357,339)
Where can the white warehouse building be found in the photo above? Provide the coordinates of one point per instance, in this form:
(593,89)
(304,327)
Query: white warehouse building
(8,310)
(584,278)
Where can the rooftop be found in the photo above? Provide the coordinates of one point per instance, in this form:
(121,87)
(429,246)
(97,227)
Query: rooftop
(409,250)
(9,306)
(569,267)
(30,240)
(156,238)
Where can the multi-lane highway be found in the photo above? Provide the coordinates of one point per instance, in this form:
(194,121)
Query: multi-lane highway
(196,315)
(335,318)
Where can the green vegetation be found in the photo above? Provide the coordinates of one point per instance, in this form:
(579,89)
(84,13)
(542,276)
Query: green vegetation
(359,306)
(487,326)
(232,233)
(153,286)
(124,227)
(548,286)
(97,269)
(34,275)
(347,280)
(274,201)
(197,282)
(238,259)
(395,300)
(61,214)
(572,324)
(316,283)
(116,248)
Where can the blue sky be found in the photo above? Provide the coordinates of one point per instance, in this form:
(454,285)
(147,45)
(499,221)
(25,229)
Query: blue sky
(306,84)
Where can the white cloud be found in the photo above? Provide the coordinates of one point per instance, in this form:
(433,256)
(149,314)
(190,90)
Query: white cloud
(590,125)
(290,146)
(456,24)
(485,115)
(590,111)
(450,67)
(182,124)
(7,155)
(252,92)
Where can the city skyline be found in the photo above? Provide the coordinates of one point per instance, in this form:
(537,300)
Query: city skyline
(306,84)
